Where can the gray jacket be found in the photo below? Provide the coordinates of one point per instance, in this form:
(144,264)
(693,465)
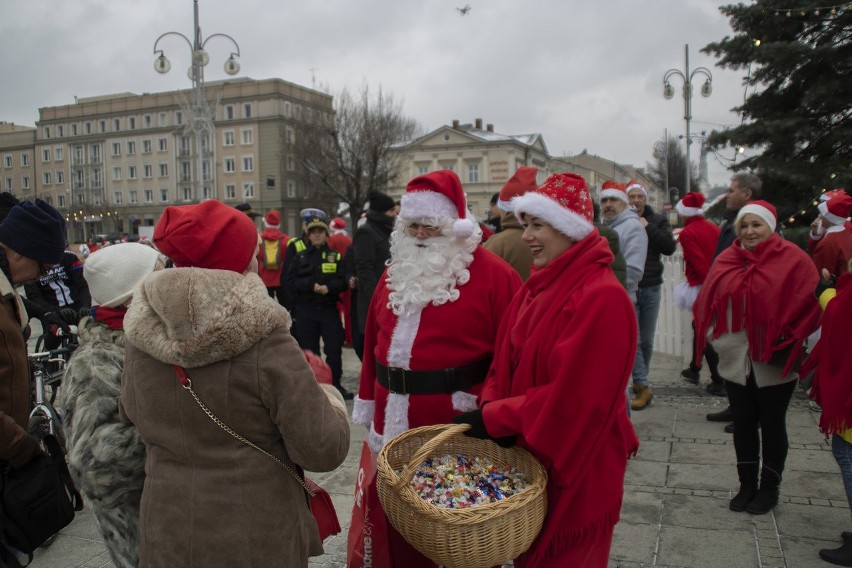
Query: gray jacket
(634,246)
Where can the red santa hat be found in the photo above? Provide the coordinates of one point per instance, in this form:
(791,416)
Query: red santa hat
(338,224)
(633,184)
(207,235)
(762,209)
(271,219)
(691,204)
(613,189)
(437,195)
(836,208)
(518,184)
(563,201)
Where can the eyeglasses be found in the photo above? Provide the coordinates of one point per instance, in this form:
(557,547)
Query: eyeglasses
(414,229)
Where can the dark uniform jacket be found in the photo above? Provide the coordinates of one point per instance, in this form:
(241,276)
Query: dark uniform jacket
(316,265)
(660,241)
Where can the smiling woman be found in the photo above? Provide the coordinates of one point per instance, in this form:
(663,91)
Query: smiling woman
(546,243)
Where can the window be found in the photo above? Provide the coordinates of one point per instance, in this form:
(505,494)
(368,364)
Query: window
(102,126)
(246,110)
(248,190)
(184,146)
(162,144)
(58,154)
(81,199)
(46,131)
(60,177)
(97,198)
(248,163)
(178,117)
(7,161)
(45,178)
(422,169)
(60,200)
(131,197)
(187,194)
(131,123)
(147,171)
(298,112)
(87,128)
(131,147)
(473,173)
(25,159)
(164,195)
(74,129)
(228,138)
(25,182)
(45,155)
(47,198)
(146,146)
(116,148)
(206,193)
(116,197)
(291,163)
(162,119)
(247,135)
(185,171)
(270,182)
(229,112)
(230,165)
(164,169)
(8,185)
(96,153)
(146,120)
(291,188)
(149,195)
(131,174)
(116,124)
(60,131)
(230,191)
(289,136)
(96,177)
(116,173)
(205,171)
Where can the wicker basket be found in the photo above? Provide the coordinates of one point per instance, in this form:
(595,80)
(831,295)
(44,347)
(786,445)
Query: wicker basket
(481,536)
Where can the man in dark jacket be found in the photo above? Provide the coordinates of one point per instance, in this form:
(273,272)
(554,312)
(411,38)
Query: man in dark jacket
(372,250)
(58,297)
(660,241)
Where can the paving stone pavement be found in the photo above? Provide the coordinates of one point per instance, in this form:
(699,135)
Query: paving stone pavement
(676,492)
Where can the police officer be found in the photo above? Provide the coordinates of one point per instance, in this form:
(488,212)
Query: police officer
(294,246)
(315,278)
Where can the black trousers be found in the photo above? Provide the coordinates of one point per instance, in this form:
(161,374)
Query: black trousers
(276,292)
(709,354)
(312,322)
(764,408)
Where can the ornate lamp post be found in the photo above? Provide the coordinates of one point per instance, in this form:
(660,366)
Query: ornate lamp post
(201,115)
(668,92)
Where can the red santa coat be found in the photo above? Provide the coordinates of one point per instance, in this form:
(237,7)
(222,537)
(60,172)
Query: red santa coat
(271,278)
(833,251)
(450,335)
(563,358)
(698,241)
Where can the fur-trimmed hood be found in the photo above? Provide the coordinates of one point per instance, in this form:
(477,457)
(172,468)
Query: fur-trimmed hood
(196,316)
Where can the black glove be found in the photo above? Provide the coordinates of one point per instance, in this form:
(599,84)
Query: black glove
(53,319)
(70,315)
(477,428)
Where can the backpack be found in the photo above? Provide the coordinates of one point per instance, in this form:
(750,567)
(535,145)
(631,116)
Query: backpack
(272,254)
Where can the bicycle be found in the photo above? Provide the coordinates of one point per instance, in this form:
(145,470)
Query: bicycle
(47,369)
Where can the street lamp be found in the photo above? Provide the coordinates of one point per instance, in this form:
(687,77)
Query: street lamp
(201,122)
(668,92)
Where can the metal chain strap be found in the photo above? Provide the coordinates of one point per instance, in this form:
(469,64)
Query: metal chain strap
(226,428)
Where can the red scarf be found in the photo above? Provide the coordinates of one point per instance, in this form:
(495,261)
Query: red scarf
(832,387)
(113,318)
(770,292)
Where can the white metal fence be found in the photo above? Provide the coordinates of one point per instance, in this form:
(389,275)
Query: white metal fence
(674,327)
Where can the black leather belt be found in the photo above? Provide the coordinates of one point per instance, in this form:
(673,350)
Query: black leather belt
(439,381)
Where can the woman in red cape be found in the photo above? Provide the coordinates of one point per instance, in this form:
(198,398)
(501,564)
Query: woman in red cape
(757,307)
(557,384)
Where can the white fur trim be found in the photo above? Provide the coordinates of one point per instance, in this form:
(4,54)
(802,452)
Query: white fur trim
(396,415)
(563,220)
(616,193)
(828,215)
(363,411)
(638,186)
(402,339)
(504,205)
(464,401)
(427,205)
(758,210)
(463,229)
(688,211)
(375,440)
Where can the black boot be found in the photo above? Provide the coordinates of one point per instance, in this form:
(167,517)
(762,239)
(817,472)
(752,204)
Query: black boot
(767,495)
(748,486)
(839,556)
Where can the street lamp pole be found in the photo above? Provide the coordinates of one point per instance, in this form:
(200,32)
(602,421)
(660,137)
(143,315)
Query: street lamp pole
(668,92)
(201,116)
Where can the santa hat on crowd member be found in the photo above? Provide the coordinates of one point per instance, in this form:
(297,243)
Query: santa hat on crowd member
(518,184)
(271,219)
(633,184)
(113,272)
(836,208)
(563,201)
(437,195)
(613,189)
(207,235)
(691,204)
(762,209)
(338,224)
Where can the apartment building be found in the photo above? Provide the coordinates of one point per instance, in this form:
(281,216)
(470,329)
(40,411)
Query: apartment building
(112,163)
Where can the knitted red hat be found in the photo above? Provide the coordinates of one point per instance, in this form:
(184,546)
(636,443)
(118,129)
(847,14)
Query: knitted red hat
(612,189)
(633,184)
(836,209)
(563,201)
(691,204)
(207,235)
(272,219)
(518,184)
(437,195)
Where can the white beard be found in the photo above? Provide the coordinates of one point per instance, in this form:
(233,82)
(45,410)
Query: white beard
(427,271)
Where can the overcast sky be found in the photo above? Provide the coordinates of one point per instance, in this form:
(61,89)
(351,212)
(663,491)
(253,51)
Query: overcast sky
(586,74)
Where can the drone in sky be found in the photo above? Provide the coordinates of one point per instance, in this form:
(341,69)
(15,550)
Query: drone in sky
(464,11)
